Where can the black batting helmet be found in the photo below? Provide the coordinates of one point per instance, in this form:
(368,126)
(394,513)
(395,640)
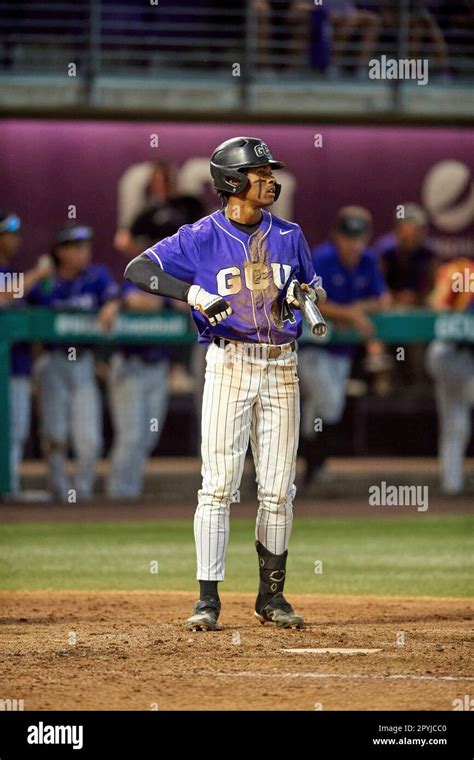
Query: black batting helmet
(232,157)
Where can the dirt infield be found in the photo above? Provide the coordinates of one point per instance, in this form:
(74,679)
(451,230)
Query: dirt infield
(129,650)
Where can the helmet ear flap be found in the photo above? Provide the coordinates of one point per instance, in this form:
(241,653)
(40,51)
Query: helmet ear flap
(222,176)
(241,181)
(277,190)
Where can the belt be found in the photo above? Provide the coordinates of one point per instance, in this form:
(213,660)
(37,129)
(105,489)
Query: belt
(270,352)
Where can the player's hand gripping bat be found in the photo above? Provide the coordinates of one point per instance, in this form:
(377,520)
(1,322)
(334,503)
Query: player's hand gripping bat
(308,306)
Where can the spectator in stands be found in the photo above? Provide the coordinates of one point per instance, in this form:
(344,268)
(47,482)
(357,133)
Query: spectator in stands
(455,15)
(407,258)
(349,21)
(425,37)
(224,23)
(277,21)
(15,288)
(451,365)
(456,19)
(138,398)
(153,211)
(289,29)
(70,407)
(355,288)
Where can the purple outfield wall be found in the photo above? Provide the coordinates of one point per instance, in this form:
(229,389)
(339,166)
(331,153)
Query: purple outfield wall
(47,165)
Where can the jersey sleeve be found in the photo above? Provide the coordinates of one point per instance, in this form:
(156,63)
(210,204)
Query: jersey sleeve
(177,255)
(129,287)
(306,271)
(377,284)
(35,296)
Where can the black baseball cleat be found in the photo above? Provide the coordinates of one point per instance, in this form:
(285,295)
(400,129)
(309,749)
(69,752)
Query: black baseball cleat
(205,615)
(275,609)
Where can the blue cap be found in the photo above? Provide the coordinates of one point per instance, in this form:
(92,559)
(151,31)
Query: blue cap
(74,233)
(10,223)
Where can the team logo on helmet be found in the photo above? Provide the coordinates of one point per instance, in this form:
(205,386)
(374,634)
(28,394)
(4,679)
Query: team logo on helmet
(262,150)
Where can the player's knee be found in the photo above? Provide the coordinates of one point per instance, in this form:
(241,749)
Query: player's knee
(131,441)
(276,503)
(18,438)
(328,405)
(220,507)
(456,429)
(88,447)
(333,412)
(50,445)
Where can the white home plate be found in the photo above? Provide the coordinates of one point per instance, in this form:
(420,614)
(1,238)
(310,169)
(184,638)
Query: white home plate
(331,650)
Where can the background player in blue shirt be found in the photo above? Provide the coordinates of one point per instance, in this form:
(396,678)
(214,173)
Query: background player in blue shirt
(355,288)
(236,269)
(70,404)
(138,400)
(15,287)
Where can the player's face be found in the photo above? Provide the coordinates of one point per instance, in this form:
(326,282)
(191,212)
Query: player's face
(9,244)
(261,187)
(159,185)
(350,248)
(410,235)
(75,257)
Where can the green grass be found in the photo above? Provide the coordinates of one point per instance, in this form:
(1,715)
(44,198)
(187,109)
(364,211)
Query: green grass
(426,555)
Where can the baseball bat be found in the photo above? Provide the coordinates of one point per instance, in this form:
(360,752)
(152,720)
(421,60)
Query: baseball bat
(311,313)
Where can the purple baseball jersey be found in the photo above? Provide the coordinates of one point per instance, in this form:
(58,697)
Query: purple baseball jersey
(251,273)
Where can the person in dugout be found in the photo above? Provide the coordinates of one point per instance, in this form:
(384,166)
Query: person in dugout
(70,406)
(15,288)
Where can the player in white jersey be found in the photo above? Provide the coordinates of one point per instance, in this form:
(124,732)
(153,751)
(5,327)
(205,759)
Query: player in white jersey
(237,268)
(451,364)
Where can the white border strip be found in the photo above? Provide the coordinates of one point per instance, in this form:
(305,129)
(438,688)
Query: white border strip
(347,677)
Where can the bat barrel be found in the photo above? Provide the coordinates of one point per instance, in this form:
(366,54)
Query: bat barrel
(311,313)
(320,329)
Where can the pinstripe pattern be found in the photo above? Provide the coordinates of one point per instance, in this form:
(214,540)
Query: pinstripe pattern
(246,398)
(247,258)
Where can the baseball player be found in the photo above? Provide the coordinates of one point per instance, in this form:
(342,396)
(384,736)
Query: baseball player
(355,288)
(69,396)
(452,367)
(15,292)
(237,268)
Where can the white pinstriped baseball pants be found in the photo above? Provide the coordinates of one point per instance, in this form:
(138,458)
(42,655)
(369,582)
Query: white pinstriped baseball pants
(246,397)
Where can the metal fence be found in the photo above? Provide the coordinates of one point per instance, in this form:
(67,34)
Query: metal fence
(250,41)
